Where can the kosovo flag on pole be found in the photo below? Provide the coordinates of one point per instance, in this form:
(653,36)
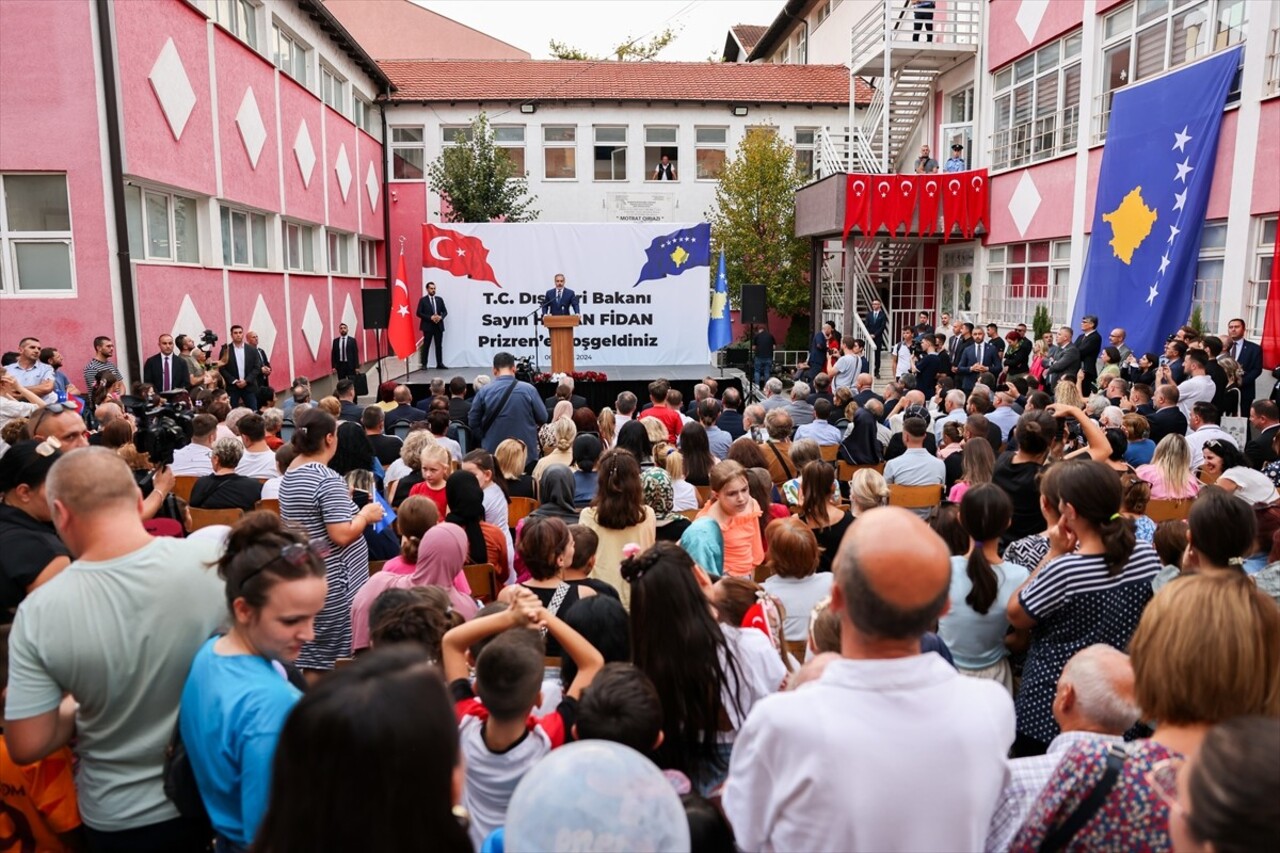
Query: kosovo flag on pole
(1153,189)
(672,254)
(719,331)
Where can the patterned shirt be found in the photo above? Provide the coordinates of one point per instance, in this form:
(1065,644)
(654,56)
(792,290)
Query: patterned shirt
(91,372)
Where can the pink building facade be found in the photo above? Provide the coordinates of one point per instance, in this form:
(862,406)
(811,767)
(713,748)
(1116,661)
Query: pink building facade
(208,163)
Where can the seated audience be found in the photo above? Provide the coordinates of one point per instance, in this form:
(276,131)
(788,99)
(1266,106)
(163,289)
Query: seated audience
(224,488)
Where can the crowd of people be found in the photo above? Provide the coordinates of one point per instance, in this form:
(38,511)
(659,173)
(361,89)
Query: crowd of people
(700,625)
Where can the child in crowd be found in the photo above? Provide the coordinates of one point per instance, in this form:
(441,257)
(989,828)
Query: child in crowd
(436,465)
(578,572)
(622,705)
(420,614)
(416,516)
(792,578)
(748,614)
(738,514)
(686,496)
(500,742)
(1170,542)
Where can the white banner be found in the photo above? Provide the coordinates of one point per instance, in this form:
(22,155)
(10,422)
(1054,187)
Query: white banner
(660,321)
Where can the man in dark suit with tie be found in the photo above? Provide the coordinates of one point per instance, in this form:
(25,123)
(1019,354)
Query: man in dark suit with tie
(560,300)
(344,355)
(240,364)
(877,321)
(1264,417)
(1167,418)
(431,313)
(1066,363)
(961,337)
(981,357)
(1249,356)
(166,371)
(1088,345)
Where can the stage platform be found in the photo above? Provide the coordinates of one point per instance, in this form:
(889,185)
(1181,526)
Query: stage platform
(634,378)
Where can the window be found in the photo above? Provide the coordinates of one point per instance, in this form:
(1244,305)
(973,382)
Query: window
(799,48)
(510,138)
(339,253)
(244,238)
(806,150)
(369,258)
(711,148)
(363,115)
(1149,37)
(1260,282)
(1023,276)
(333,89)
(456,134)
(289,54)
(660,142)
(407,156)
(299,247)
(162,226)
(960,106)
(611,154)
(240,17)
(35,234)
(1037,105)
(560,153)
(1207,293)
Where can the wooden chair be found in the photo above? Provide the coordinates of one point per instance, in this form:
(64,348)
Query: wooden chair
(798,649)
(1169,510)
(829,452)
(183,485)
(704,494)
(1205,478)
(915,497)
(518,509)
(690,514)
(269,505)
(209,517)
(375,566)
(483,579)
(339,663)
(846,470)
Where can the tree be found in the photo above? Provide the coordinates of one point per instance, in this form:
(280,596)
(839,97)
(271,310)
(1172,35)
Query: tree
(631,50)
(479,180)
(753,221)
(1041,323)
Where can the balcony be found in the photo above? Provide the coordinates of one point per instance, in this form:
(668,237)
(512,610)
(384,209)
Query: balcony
(890,37)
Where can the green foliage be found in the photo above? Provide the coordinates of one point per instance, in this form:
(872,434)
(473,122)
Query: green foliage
(1041,322)
(798,334)
(753,221)
(1197,320)
(480,181)
(631,50)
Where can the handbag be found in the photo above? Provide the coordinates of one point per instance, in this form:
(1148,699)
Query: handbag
(1059,838)
(180,781)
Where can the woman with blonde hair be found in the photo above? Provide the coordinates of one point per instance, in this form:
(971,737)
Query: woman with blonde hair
(406,472)
(1169,471)
(1039,352)
(867,490)
(1067,393)
(607,423)
(560,451)
(657,432)
(685,496)
(511,456)
(563,411)
(331,405)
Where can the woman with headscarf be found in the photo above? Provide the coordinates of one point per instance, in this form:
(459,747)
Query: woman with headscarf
(659,495)
(485,543)
(556,488)
(441,555)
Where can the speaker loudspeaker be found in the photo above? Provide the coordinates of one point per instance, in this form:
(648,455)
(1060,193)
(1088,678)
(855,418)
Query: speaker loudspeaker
(753,307)
(376,307)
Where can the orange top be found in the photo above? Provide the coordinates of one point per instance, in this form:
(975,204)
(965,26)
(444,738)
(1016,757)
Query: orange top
(38,802)
(743,548)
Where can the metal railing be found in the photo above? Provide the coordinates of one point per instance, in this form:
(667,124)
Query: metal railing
(1039,139)
(832,146)
(957,22)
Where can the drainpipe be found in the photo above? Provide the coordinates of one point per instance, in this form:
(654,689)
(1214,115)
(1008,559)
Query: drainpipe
(386,197)
(115,157)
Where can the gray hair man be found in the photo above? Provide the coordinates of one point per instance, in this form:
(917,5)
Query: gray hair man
(773,398)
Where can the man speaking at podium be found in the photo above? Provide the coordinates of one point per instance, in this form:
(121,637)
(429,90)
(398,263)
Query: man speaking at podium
(560,299)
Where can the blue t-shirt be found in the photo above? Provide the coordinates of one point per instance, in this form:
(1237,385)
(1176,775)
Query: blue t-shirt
(976,639)
(1140,452)
(233,707)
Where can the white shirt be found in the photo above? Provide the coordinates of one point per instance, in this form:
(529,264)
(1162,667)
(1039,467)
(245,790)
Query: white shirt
(192,461)
(901,754)
(1198,438)
(259,463)
(684,496)
(903,352)
(238,352)
(271,489)
(958,416)
(1195,389)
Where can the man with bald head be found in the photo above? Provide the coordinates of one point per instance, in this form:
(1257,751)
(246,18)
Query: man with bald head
(141,607)
(890,749)
(1094,703)
(404,410)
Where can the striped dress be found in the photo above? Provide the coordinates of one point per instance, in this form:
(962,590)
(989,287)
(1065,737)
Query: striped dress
(311,496)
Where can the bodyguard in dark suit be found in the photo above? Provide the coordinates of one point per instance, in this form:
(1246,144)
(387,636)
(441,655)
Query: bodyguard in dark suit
(241,369)
(1089,344)
(877,321)
(166,365)
(431,313)
(981,357)
(344,355)
(1249,356)
(560,300)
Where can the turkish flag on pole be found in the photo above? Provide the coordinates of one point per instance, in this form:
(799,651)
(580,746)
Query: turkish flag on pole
(929,200)
(975,201)
(857,204)
(400,326)
(953,201)
(904,203)
(456,253)
(1271,327)
(882,204)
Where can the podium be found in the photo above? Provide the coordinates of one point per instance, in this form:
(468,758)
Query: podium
(561,327)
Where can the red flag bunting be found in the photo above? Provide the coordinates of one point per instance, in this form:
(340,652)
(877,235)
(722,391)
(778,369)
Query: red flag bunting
(456,253)
(400,326)
(1271,328)
(975,202)
(904,203)
(882,203)
(953,209)
(857,204)
(930,199)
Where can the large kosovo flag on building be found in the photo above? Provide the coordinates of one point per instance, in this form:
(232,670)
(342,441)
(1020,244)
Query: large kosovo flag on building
(1153,189)
(672,254)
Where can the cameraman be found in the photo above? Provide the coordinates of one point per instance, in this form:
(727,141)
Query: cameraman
(197,375)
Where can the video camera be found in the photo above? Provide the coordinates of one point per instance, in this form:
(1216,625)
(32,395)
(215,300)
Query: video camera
(208,340)
(524,369)
(162,428)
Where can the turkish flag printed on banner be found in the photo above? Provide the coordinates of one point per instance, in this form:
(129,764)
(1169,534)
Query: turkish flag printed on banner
(1271,327)
(882,203)
(857,204)
(975,201)
(930,198)
(953,204)
(904,203)
(456,253)
(400,326)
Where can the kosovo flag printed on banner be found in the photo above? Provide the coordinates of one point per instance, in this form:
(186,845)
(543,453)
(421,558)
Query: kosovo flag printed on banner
(672,254)
(1153,190)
